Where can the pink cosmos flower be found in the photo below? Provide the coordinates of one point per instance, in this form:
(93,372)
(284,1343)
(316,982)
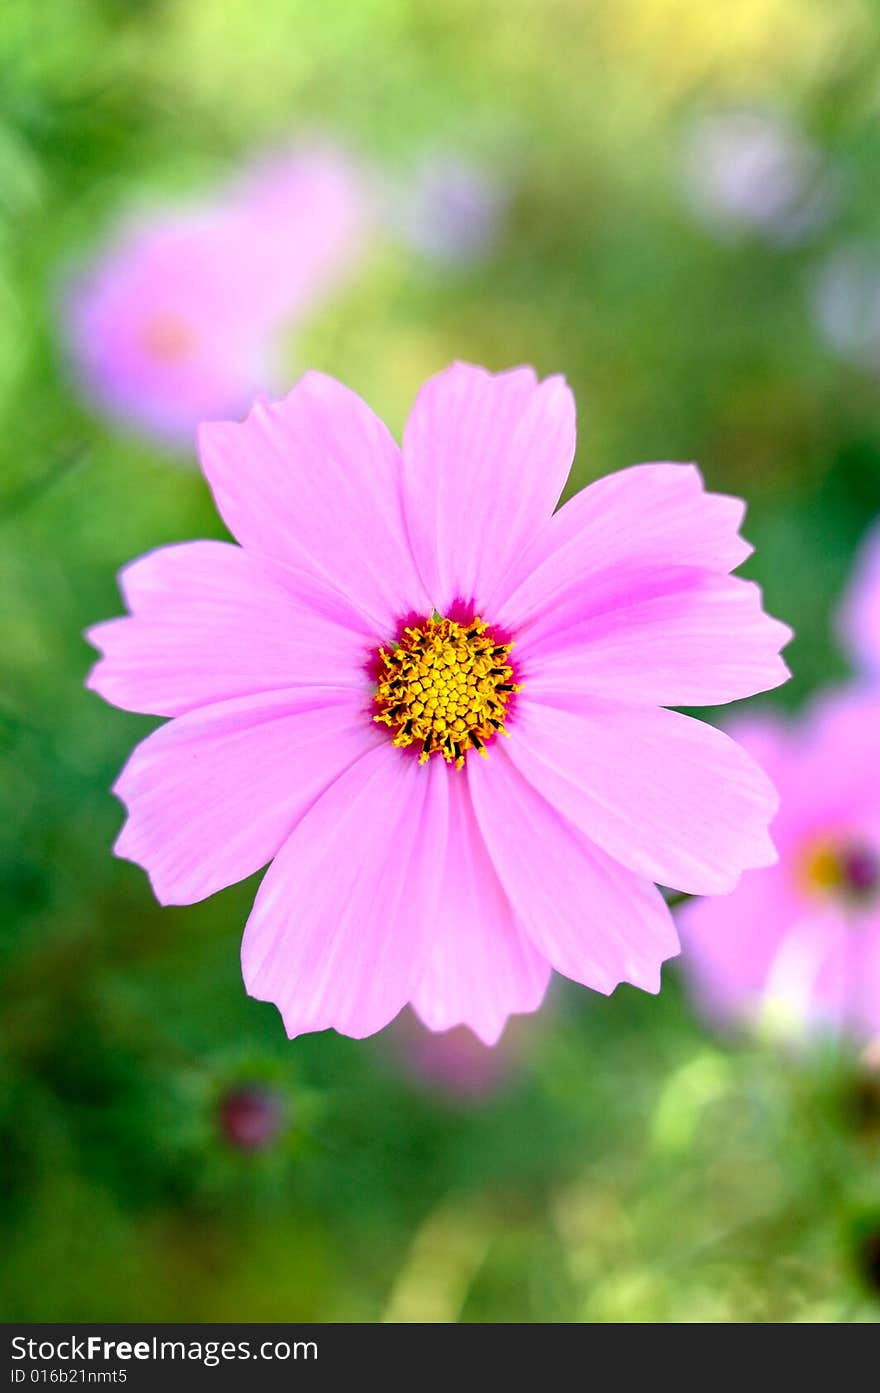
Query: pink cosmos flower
(341,684)
(797,946)
(859,619)
(176,322)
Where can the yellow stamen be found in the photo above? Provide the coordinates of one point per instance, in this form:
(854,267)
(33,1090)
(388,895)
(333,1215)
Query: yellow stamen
(445,686)
(820,868)
(847,868)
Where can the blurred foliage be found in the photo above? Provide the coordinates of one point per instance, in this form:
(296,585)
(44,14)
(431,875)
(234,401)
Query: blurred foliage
(630,1167)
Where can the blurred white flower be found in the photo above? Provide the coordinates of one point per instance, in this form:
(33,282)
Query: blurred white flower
(449,209)
(750,171)
(845,298)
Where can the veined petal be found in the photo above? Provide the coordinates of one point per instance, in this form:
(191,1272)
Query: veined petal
(674,799)
(481,967)
(677,637)
(212,795)
(647,517)
(594,920)
(315,481)
(485,460)
(210,622)
(341,926)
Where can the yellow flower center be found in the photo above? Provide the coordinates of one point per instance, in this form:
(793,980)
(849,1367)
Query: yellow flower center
(847,869)
(820,868)
(445,686)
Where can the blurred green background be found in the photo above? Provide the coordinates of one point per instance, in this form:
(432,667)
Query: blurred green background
(621,1163)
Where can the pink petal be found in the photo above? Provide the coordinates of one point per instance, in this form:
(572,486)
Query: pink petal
(677,637)
(481,967)
(211,621)
(729,941)
(485,459)
(768,738)
(341,926)
(305,225)
(827,766)
(866,1007)
(811,972)
(809,960)
(809,979)
(841,990)
(672,798)
(648,517)
(315,481)
(212,795)
(860,613)
(595,921)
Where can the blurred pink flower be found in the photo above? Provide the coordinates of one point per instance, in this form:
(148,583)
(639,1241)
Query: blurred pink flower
(748,170)
(334,678)
(797,946)
(859,620)
(311,213)
(176,321)
(453,1064)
